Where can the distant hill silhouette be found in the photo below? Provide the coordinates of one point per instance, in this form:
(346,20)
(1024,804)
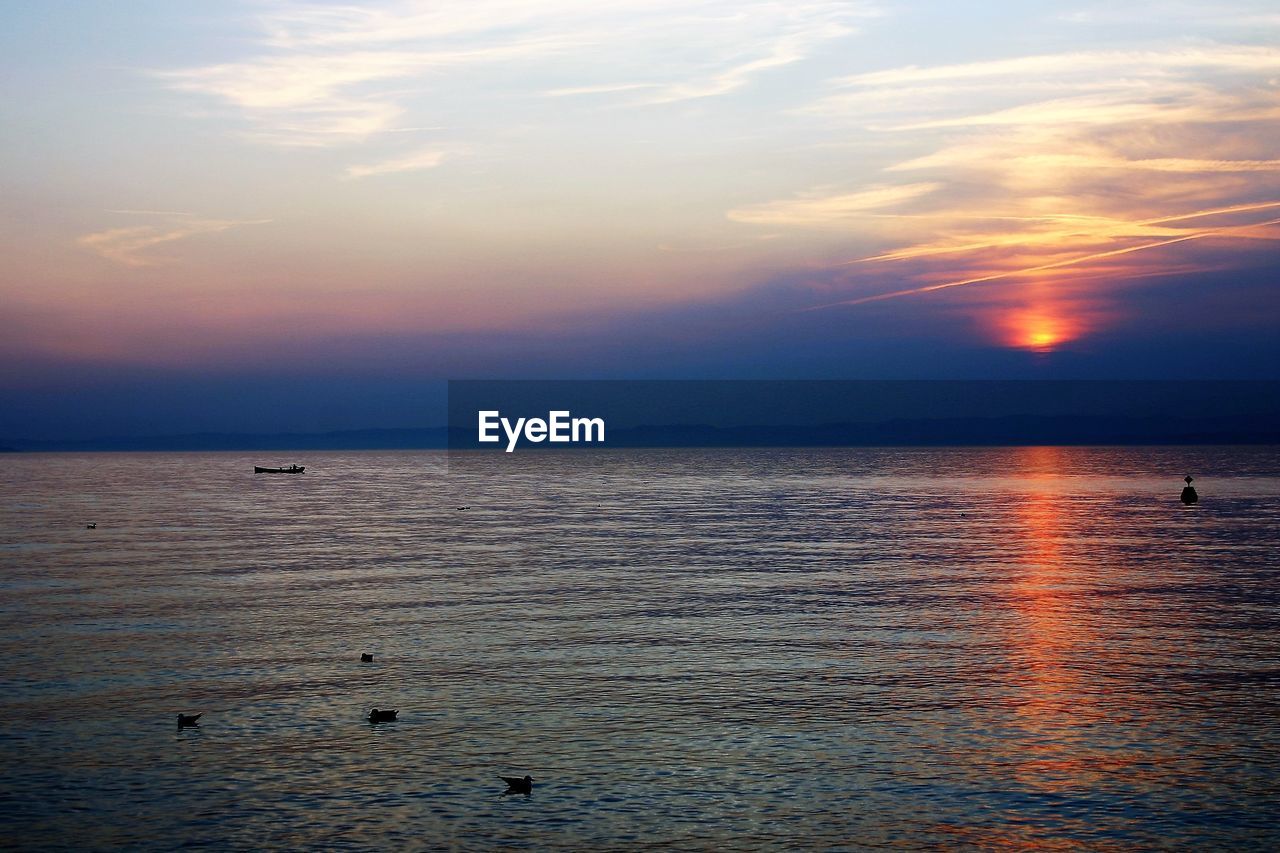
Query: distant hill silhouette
(898,432)
(364,439)
(1009,430)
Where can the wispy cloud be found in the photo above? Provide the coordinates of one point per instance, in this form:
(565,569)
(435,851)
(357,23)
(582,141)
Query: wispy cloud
(1029,105)
(1064,169)
(1248,15)
(1254,230)
(604,89)
(130,246)
(830,209)
(426,159)
(783,50)
(320,100)
(324,75)
(129,212)
(1086,66)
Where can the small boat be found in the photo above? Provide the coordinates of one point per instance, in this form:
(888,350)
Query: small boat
(292,469)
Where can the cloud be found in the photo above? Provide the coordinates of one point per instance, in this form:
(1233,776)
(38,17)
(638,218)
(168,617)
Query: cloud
(129,246)
(322,75)
(426,159)
(1050,180)
(1249,17)
(149,212)
(1085,65)
(785,50)
(822,209)
(606,89)
(321,100)
(1099,88)
(1254,230)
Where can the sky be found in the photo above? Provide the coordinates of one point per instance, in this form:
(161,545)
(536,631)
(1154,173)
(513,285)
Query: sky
(276,215)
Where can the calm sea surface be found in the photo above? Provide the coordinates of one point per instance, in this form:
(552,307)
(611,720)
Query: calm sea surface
(990,648)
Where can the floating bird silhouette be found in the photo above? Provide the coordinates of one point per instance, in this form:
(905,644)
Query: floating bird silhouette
(93,525)
(185,720)
(366,658)
(518,786)
(468,506)
(376,716)
(1189,495)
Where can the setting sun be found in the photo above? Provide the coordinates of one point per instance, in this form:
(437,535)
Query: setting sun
(1039,330)
(1042,339)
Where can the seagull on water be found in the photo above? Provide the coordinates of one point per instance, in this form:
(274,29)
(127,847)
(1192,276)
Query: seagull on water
(518,786)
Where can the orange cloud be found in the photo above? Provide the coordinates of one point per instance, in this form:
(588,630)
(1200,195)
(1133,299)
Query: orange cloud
(1056,176)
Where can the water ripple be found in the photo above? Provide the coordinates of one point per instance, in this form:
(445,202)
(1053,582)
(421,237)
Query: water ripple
(841,649)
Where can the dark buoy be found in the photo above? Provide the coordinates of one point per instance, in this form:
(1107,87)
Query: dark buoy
(366,658)
(1189,495)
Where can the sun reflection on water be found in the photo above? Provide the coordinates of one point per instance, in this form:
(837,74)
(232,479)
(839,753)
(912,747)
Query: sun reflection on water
(1050,711)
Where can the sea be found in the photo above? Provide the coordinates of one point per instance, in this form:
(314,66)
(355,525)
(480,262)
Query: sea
(730,649)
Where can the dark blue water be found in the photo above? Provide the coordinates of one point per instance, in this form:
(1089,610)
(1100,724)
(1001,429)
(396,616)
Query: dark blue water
(1030,647)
